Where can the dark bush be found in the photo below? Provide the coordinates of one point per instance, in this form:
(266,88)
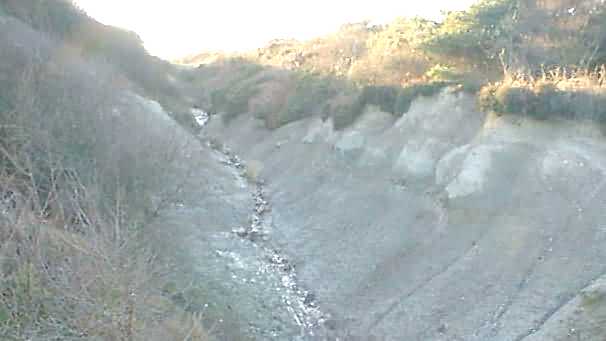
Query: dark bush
(404,101)
(514,99)
(568,98)
(548,100)
(310,97)
(345,114)
(232,102)
(407,95)
(382,96)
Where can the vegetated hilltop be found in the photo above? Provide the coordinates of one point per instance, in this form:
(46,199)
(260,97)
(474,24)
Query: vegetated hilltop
(338,75)
(86,166)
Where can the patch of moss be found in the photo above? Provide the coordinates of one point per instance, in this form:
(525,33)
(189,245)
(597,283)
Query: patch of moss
(593,300)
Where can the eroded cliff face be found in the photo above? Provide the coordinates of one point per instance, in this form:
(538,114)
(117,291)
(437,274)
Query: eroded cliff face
(445,224)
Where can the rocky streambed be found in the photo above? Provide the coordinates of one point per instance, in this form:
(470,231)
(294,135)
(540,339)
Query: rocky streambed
(255,273)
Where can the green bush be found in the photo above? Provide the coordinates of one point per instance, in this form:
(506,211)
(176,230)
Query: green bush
(429,89)
(310,97)
(576,98)
(549,100)
(382,96)
(471,86)
(232,101)
(407,95)
(233,94)
(514,99)
(345,114)
(404,101)
(238,99)
(537,103)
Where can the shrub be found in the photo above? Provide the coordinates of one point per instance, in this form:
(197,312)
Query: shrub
(382,96)
(549,100)
(232,102)
(441,72)
(310,97)
(429,89)
(404,101)
(346,110)
(237,82)
(471,85)
(575,96)
(514,99)
(407,94)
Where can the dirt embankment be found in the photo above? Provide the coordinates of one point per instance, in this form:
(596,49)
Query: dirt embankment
(445,224)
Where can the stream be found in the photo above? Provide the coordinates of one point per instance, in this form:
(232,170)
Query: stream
(259,268)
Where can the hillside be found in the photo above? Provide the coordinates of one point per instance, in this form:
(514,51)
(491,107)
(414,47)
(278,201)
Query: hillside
(90,167)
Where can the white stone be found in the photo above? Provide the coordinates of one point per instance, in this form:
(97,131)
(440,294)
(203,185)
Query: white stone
(474,172)
(350,141)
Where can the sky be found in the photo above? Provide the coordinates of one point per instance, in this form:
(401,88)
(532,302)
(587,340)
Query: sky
(175,28)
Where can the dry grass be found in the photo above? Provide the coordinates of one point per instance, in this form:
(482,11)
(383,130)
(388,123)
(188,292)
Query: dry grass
(59,284)
(563,78)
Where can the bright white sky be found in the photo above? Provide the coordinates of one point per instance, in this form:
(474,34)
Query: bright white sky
(174,28)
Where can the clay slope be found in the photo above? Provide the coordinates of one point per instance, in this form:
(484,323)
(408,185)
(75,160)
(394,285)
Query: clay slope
(446,224)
